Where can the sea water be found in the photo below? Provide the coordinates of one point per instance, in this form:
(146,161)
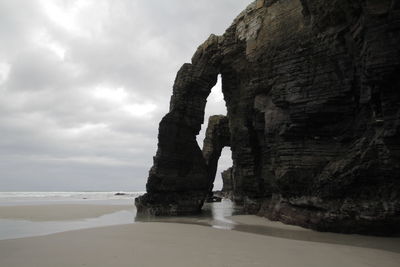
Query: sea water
(214,214)
(22,198)
(17,228)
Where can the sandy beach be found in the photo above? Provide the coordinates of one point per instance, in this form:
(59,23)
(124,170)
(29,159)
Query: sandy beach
(255,242)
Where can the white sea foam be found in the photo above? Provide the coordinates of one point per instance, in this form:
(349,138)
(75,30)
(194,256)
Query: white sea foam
(15,196)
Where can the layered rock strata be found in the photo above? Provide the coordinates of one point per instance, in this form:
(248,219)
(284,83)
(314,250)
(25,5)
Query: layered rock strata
(313,98)
(217,137)
(227,181)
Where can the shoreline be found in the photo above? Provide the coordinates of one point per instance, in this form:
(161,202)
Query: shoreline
(74,212)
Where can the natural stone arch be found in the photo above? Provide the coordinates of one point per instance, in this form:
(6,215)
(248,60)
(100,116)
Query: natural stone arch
(311,90)
(178,182)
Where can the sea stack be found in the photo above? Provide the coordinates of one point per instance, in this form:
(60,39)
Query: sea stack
(312,90)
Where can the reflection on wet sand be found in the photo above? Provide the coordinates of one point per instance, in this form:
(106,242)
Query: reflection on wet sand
(226,215)
(213,214)
(43,219)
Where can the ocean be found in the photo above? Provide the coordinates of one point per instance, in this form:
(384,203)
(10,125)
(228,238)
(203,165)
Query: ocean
(7,198)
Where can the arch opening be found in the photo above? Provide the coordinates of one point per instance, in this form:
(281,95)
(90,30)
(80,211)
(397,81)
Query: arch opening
(215,138)
(215,106)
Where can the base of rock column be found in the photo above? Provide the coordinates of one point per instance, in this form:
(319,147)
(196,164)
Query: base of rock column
(344,216)
(170,204)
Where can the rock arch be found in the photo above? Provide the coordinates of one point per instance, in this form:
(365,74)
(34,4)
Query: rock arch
(179,180)
(312,95)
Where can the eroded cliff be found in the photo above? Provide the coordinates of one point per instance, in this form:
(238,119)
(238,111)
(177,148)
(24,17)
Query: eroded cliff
(313,100)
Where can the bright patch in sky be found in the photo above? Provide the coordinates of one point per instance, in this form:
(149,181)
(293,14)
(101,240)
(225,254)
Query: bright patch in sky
(87,128)
(66,13)
(215,106)
(4,72)
(216,95)
(120,98)
(118,95)
(96,160)
(64,17)
(140,110)
(43,39)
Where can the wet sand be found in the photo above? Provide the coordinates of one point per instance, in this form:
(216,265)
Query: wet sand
(262,226)
(58,212)
(254,241)
(170,244)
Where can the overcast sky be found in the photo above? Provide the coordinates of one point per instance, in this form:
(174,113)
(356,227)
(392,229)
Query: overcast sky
(84,84)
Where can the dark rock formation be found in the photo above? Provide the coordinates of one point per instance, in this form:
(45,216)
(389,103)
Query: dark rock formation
(217,137)
(227,181)
(178,181)
(313,98)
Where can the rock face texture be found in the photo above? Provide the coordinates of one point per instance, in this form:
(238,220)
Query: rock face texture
(227,181)
(217,137)
(312,89)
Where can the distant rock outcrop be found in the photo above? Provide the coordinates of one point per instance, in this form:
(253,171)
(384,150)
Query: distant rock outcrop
(312,89)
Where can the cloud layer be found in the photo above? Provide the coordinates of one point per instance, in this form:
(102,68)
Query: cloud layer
(84,83)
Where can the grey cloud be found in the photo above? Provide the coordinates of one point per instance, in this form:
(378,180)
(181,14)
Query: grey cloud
(18,18)
(69,177)
(38,70)
(55,134)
